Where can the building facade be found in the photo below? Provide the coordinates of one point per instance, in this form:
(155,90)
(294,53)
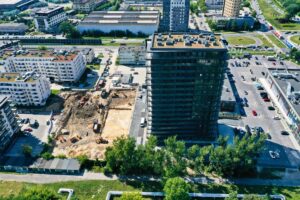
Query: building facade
(232,8)
(185,75)
(84,5)
(29,89)
(132,55)
(13,28)
(57,65)
(145,22)
(175,16)
(8,122)
(48,19)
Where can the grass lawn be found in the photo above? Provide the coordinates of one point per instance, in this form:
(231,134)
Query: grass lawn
(240,40)
(271,15)
(55,92)
(252,52)
(85,190)
(264,40)
(296,39)
(276,41)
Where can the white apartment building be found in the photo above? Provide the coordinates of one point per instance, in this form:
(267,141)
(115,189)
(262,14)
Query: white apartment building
(48,19)
(132,55)
(8,122)
(57,65)
(29,89)
(84,5)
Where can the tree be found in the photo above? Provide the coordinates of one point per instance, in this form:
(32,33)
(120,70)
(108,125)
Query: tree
(232,196)
(42,48)
(47,156)
(176,188)
(69,30)
(40,193)
(131,196)
(292,10)
(27,150)
(255,197)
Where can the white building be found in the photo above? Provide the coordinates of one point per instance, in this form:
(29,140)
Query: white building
(8,122)
(48,19)
(84,5)
(145,22)
(58,66)
(132,55)
(25,89)
(214,4)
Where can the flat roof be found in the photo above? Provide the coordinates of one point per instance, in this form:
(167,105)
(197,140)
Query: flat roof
(186,41)
(9,2)
(227,93)
(14,77)
(284,77)
(48,10)
(122,17)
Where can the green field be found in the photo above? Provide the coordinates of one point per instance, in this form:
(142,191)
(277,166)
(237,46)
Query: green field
(276,41)
(55,92)
(85,190)
(240,40)
(296,39)
(271,15)
(264,41)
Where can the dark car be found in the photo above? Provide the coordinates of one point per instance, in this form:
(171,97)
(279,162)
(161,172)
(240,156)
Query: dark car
(284,133)
(271,108)
(263,73)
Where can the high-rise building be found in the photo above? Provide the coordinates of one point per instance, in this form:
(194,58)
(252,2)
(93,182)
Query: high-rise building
(231,8)
(185,75)
(8,122)
(175,16)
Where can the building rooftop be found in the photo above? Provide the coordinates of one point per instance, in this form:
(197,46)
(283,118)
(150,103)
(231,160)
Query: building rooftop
(56,55)
(227,93)
(183,41)
(288,81)
(9,2)
(18,77)
(122,17)
(48,10)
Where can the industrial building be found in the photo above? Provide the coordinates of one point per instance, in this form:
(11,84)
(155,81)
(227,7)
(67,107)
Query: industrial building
(283,87)
(29,89)
(57,65)
(231,8)
(13,28)
(185,75)
(175,16)
(8,122)
(132,55)
(9,5)
(84,5)
(48,19)
(145,22)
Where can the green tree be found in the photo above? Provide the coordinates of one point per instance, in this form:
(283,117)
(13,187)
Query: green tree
(255,197)
(42,48)
(40,193)
(27,150)
(176,188)
(232,196)
(47,156)
(131,196)
(292,10)
(69,30)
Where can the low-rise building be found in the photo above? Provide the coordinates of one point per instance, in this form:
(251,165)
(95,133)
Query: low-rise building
(132,55)
(283,87)
(15,4)
(28,89)
(84,5)
(228,102)
(145,22)
(8,122)
(48,19)
(241,22)
(214,4)
(13,28)
(57,65)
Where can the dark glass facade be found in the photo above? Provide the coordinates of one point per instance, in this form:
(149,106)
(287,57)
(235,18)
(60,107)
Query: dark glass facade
(184,92)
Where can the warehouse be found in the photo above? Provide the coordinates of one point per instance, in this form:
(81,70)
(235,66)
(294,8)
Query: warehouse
(145,22)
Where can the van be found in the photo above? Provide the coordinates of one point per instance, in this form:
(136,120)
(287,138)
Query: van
(143,122)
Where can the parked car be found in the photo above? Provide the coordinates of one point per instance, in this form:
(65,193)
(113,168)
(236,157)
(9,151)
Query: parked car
(266,99)
(263,73)
(271,108)
(28,129)
(284,133)
(276,117)
(254,113)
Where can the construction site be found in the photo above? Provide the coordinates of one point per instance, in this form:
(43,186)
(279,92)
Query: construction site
(90,121)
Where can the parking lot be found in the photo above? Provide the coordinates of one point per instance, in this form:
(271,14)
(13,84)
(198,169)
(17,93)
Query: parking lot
(258,114)
(35,137)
